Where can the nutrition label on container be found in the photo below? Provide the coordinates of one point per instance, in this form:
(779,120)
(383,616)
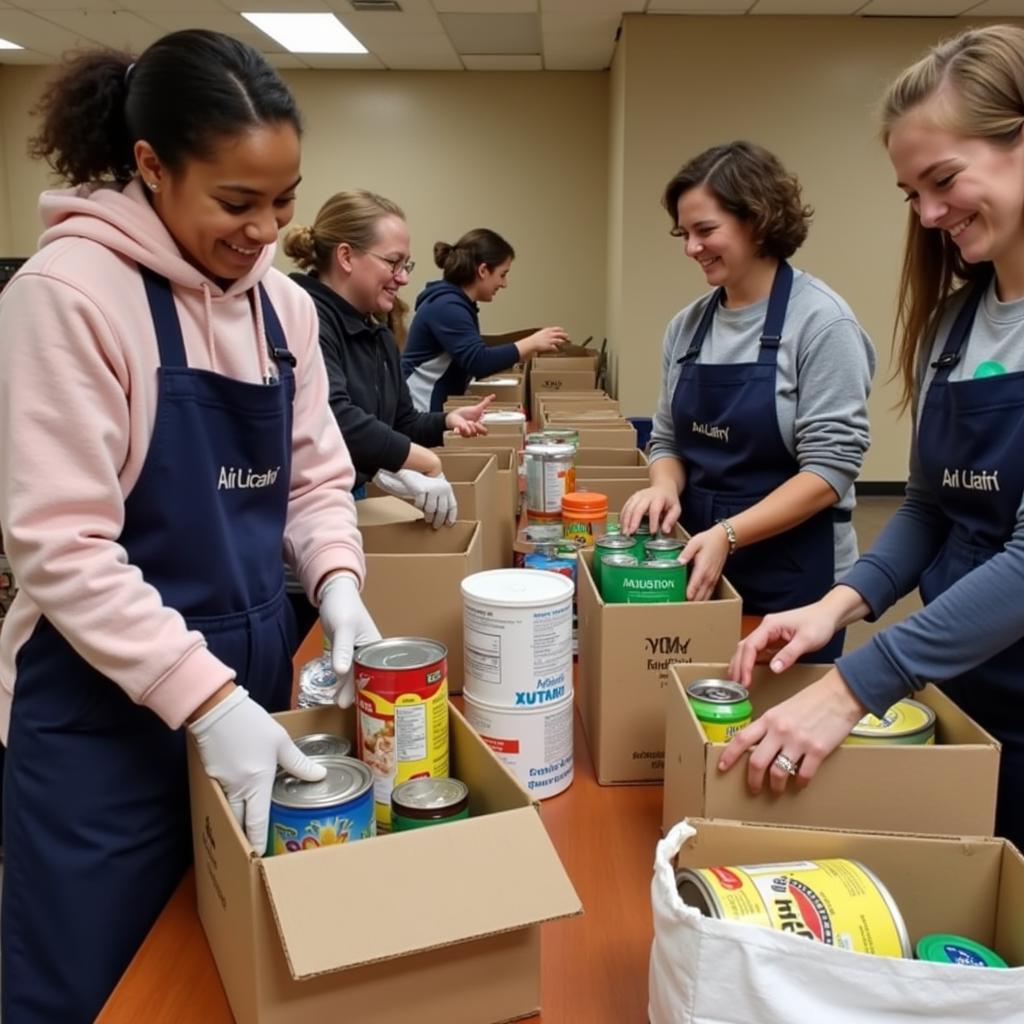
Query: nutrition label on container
(499,656)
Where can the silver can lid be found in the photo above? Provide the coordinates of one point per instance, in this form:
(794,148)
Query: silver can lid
(664,544)
(429,794)
(552,448)
(345,780)
(622,560)
(324,744)
(717,691)
(661,564)
(614,540)
(400,652)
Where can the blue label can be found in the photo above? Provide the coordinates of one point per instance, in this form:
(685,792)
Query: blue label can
(337,809)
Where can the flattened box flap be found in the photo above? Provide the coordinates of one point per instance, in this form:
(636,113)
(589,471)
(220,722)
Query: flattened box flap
(392,895)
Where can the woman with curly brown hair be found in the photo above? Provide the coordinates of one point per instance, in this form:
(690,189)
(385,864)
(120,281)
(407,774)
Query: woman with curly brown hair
(762,422)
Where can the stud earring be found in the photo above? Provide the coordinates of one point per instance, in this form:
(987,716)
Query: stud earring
(153,186)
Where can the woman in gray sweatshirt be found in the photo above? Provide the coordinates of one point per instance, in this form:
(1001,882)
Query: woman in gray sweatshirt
(953,127)
(762,422)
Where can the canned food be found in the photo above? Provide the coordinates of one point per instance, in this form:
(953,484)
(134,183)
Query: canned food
(337,809)
(956,949)
(560,557)
(610,544)
(907,722)
(550,475)
(584,516)
(663,548)
(649,582)
(324,744)
(567,435)
(422,802)
(722,707)
(837,902)
(402,719)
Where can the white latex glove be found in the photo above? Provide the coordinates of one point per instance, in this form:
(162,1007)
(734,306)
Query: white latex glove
(241,747)
(432,494)
(348,625)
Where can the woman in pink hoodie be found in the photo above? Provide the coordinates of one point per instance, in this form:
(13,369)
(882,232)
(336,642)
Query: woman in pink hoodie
(167,439)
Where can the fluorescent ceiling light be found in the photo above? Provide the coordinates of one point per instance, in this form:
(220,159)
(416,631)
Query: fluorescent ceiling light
(6,44)
(307,33)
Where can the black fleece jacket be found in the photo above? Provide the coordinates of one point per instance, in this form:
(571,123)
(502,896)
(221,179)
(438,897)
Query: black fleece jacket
(368,393)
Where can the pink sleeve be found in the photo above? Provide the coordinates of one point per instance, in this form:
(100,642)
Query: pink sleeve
(67,425)
(322,535)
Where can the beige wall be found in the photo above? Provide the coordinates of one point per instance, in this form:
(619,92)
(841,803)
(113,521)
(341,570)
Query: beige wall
(5,202)
(806,88)
(525,154)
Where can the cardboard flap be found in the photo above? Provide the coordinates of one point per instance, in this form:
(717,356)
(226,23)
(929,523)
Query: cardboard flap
(389,899)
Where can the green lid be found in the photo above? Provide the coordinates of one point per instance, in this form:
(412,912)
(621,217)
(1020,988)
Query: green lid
(956,949)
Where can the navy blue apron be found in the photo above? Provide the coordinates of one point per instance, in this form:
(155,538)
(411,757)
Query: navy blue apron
(97,832)
(965,426)
(728,437)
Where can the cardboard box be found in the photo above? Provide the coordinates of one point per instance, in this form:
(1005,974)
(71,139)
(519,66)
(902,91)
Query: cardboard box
(418,926)
(640,473)
(965,886)
(506,387)
(384,510)
(610,457)
(498,434)
(598,417)
(947,788)
(457,402)
(625,652)
(413,577)
(616,491)
(605,436)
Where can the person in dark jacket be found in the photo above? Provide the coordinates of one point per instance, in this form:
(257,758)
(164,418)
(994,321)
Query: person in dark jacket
(445,350)
(356,258)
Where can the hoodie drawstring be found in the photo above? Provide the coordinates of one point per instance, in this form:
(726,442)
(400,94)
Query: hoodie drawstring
(211,348)
(267,372)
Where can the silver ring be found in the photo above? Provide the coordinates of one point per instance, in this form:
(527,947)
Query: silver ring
(783,762)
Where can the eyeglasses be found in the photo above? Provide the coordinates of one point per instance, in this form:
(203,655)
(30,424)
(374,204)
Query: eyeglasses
(397,265)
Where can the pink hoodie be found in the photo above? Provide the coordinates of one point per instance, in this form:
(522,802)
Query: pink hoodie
(78,396)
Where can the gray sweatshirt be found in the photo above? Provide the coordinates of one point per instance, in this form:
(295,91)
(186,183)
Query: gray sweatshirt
(823,377)
(979,616)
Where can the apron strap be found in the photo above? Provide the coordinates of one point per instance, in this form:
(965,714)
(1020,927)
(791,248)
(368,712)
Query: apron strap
(165,319)
(703,327)
(277,342)
(960,331)
(775,317)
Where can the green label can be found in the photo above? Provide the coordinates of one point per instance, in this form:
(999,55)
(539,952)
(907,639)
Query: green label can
(643,583)
(722,706)
(609,544)
(422,802)
(663,548)
(956,949)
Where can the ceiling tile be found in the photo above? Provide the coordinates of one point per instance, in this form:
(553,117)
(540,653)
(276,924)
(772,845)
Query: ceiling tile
(597,7)
(408,7)
(147,8)
(699,6)
(575,42)
(276,6)
(815,7)
(344,61)
(496,62)
(24,57)
(285,60)
(485,6)
(35,33)
(916,8)
(998,9)
(119,29)
(427,52)
(493,33)
(380,25)
(215,21)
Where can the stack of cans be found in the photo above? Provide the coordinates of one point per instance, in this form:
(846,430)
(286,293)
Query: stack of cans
(639,569)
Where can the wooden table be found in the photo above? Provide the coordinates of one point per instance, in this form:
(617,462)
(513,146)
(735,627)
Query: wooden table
(594,967)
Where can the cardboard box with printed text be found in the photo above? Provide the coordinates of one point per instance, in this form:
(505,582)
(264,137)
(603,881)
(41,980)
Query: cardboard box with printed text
(625,652)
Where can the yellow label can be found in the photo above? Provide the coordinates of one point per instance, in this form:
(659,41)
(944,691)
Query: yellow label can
(836,902)
(908,722)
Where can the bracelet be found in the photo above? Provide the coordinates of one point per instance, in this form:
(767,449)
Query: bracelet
(730,533)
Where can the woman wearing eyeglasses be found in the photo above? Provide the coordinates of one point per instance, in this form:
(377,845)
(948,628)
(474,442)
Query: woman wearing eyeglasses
(762,423)
(445,350)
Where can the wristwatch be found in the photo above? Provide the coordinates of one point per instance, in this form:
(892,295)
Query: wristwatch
(730,533)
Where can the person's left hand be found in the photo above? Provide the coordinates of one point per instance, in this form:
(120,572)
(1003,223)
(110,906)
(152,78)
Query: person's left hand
(705,554)
(804,729)
(467,420)
(348,625)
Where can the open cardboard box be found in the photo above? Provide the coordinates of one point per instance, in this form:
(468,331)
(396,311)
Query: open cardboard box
(965,886)
(604,457)
(625,652)
(434,926)
(507,455)
(604,435)
(413,582)
(947,788)
(456,402)
(617,491)
(384,510)
(506,387)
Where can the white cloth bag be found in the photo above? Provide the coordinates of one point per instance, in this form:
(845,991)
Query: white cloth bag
(708,971)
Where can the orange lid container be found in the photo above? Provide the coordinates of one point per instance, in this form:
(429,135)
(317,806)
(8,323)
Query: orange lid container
(585,505)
